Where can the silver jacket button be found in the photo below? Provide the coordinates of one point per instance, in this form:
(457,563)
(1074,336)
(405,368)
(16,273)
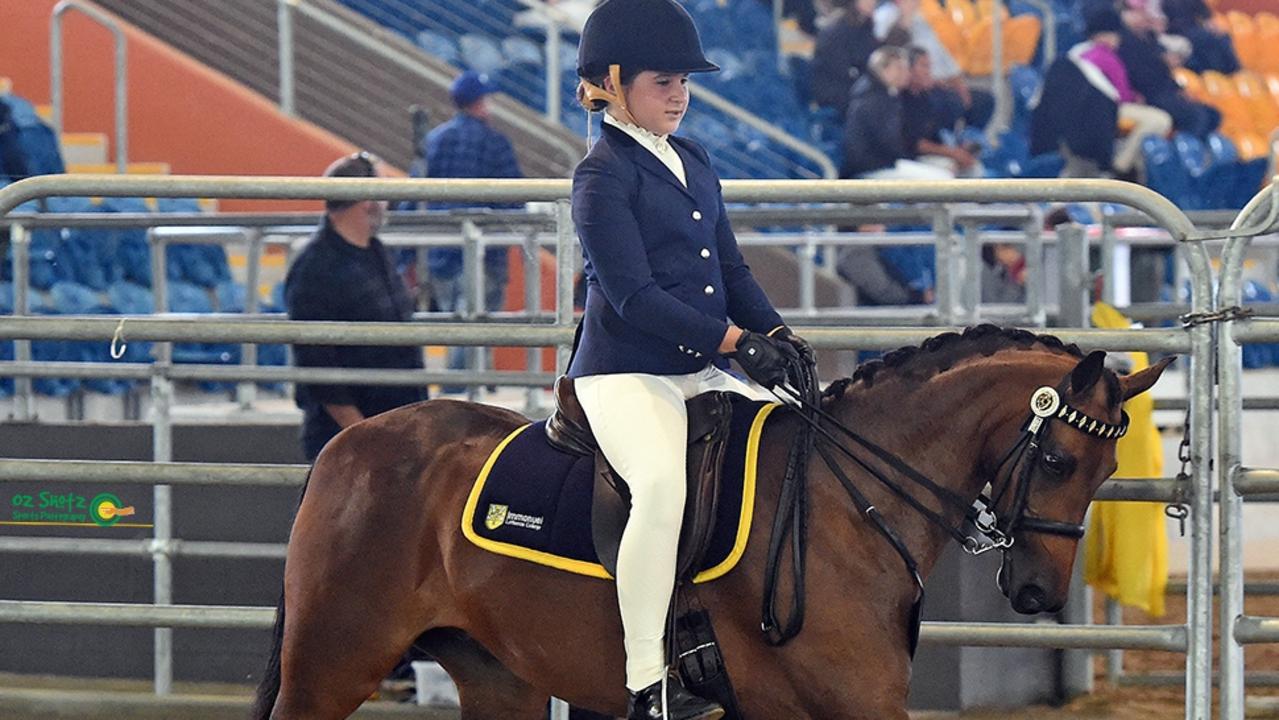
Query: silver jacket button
(706,252)
(709,290)
(697,214)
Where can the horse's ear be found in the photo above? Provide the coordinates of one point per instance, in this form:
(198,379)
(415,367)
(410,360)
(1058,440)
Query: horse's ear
(1139,382)
(1087,372)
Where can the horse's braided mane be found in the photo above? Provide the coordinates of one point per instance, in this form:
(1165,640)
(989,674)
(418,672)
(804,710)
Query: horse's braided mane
(941,352)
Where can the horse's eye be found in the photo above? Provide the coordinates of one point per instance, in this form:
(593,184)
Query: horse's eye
(1056,463)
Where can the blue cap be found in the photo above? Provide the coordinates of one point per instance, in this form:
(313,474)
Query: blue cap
(469,87)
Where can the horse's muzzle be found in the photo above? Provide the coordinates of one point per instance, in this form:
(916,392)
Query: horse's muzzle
(1030,600)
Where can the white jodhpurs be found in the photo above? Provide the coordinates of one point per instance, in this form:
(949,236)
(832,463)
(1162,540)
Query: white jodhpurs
(641,426)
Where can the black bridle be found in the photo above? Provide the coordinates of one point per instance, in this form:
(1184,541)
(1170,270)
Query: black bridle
(989,530)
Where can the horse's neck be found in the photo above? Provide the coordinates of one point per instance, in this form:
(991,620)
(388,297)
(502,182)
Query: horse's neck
(940,428)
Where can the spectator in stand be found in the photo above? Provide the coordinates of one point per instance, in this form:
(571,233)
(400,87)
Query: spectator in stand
(922,127)
(1211,47)
(1151,75)
(1100,55)
(842,51)
(900,22)
(345,273)
(13,163)
(467,146)
(874,141)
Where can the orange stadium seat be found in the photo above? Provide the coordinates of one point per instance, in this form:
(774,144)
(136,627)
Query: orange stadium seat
(1021,39)
(962,12)
(979,60)
(1250,145)
(1268,38)
(1190,81)
(950,35)
(1244,35)
(1256,96)
(1217,84)
(984,8)
(1272,84)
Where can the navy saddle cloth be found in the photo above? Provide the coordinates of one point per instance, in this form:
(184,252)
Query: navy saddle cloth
(533,501)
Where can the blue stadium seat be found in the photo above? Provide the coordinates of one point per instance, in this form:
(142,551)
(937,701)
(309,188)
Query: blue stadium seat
(522,51)
(6,298)
(232,297)
(439,45)
(129,298)
(1165,172)
(1025,82)
(481,53)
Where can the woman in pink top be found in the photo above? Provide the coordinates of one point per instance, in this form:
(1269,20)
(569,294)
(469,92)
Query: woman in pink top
(1100,63)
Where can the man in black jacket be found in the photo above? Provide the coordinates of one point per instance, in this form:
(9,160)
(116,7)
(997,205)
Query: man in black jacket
(843,48)
(874,138)
(1151,76)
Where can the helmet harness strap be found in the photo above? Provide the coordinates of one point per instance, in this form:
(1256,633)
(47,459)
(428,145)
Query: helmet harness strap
(592,93)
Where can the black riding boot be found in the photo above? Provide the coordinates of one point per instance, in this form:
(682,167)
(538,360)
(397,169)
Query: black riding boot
(680,704)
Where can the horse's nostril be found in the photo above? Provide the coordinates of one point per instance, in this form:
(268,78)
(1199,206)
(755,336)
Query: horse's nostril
(1030,600)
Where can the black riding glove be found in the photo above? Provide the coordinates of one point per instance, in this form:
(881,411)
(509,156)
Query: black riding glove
(801,345)
(764,359)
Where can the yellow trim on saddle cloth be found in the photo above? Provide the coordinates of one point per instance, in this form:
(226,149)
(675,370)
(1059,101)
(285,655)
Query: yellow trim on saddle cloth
(596,570)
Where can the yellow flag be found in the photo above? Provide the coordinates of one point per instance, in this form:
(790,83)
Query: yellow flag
(1126,549)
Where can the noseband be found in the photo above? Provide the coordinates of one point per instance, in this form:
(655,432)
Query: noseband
(1045,406)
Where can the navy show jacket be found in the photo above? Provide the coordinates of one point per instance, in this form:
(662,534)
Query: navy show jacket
(663,271)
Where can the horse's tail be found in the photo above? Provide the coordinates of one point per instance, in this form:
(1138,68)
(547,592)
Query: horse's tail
(269,688)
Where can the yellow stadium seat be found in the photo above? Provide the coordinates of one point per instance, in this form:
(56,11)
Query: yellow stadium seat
(1190,82)
(138,168)
(1272,84)
(45,112)
(6,86)
(1021,39)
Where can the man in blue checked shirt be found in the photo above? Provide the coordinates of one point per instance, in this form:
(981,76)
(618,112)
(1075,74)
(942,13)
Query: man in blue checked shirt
(467,146)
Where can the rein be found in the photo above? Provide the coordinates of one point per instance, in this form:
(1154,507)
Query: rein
(991,531)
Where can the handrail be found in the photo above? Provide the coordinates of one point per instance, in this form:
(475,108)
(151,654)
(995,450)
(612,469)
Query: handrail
(1160,210)
(571,151)
(726,106)
(112,23)
(1049,32)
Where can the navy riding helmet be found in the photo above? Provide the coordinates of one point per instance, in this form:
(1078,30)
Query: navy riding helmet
(640,35)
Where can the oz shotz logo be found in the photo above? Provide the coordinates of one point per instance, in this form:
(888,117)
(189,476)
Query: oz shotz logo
(69,509)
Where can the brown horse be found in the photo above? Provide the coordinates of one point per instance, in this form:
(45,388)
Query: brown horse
(377,558)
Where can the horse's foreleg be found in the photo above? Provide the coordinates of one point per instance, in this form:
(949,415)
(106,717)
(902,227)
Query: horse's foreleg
(485,687)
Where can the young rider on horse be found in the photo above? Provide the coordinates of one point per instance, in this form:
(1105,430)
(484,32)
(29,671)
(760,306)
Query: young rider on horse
(664,277)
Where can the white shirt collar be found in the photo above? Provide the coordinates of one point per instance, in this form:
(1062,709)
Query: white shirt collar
(659,145)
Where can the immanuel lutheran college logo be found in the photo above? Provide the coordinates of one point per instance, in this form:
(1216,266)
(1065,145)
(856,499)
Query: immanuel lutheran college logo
(47,508)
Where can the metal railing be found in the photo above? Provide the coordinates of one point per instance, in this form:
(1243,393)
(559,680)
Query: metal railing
(1195,637)
(1235,481)
(111,23)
